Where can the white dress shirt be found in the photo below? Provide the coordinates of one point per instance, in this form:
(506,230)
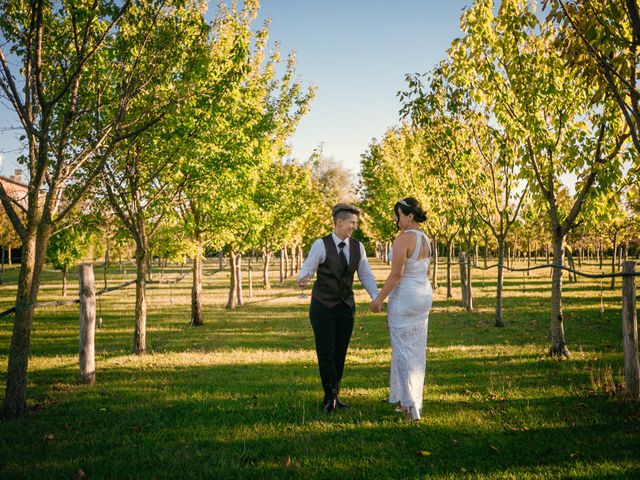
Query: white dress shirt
(318,254)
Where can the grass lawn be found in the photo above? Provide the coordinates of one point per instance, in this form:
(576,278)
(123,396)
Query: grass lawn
(240,397)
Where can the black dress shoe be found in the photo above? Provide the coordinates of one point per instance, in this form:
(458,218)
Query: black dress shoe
(330,406)
(340,404)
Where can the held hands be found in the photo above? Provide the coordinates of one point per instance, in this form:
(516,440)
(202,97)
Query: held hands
(375,306)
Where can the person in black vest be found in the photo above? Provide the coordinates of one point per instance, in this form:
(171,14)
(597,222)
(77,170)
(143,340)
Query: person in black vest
(336,258)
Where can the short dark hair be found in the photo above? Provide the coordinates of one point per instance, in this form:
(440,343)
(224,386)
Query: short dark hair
(341,209)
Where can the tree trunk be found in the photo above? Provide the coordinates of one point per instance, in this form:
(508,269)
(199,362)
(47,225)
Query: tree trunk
(464,291)
(528,257)
(558,341)
(300,258)
(292,261)
(613,260)
(475,257)
(64,281)
(220,261)
(486,250)
(469,288)
(281,265)
(285,255)
(9,255)
(619,257)
(233,284)
(573,278)
(196,290)
(580,255)
(149,267)
(140,328)
(250,271)
(34,246)
(107,259)
(630,331)
(239,292)
(449,255)
(546,251)
(266,259)
(387,256)
(434,283)
(500,282)
(2,268)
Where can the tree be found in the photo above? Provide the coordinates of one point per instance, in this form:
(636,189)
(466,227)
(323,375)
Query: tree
(285,197)
(141,176)
(512,66)
(378,191)
(246,123)
(74,80)
(478,157)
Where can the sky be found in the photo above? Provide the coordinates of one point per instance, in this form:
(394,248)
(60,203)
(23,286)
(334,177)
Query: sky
(356,52)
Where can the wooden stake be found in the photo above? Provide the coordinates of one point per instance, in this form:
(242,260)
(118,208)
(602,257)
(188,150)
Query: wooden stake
(87,324)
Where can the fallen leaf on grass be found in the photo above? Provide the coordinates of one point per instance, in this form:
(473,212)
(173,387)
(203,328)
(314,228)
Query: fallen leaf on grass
(79,474)
(423,453)
(287,462)
(48,437)
(493,448)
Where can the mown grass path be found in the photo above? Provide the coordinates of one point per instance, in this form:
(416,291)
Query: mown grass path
(240,397)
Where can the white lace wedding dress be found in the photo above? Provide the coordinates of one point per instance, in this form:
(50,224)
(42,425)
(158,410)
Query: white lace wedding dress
(408,314)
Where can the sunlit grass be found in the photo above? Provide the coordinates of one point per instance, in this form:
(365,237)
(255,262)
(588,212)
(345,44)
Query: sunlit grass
(240,396)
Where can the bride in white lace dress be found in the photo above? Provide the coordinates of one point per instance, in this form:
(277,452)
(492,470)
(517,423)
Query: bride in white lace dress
(410,299)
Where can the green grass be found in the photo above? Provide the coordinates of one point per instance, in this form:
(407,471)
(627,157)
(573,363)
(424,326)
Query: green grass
(240,397)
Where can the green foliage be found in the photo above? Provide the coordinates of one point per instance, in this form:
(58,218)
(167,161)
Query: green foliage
(511,67)
(284,197)
(238,131)
(599,40)
(69,245)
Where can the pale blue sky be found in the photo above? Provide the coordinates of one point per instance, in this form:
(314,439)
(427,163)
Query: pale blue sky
(356,52)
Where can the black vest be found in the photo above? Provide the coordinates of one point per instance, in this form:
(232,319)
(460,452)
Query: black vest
(334,284)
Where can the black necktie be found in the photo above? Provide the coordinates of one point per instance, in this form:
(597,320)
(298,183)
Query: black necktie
(343,258)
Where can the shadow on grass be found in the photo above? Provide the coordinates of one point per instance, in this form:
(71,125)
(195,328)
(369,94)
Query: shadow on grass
(233,421)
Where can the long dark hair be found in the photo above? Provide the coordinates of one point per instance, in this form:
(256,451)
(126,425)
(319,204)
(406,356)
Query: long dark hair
(410,205)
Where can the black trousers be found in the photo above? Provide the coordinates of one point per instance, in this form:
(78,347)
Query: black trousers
(332,328)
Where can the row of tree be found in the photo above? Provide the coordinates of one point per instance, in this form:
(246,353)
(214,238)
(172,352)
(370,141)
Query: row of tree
(144,122)
(523,105)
